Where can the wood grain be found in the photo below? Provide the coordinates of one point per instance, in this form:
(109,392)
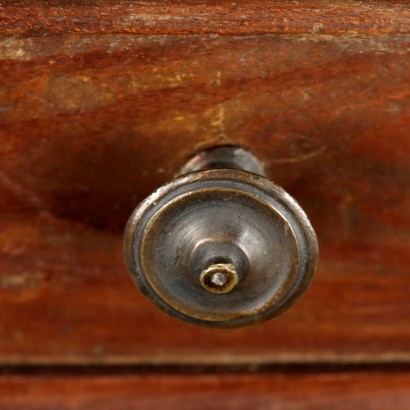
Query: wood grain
(288,391)
(39,17)
(90,125)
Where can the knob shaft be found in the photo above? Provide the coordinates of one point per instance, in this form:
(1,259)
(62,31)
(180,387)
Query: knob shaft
(221,247)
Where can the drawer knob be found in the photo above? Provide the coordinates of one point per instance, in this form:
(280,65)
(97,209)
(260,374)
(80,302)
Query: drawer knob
(221,245)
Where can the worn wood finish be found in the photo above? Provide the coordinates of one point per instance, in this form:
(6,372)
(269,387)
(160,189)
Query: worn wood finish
(91,125)
(37,17)
(344,390)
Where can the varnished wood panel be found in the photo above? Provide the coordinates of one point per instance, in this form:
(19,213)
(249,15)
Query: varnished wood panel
(89,125)
(37,17)
(287,391)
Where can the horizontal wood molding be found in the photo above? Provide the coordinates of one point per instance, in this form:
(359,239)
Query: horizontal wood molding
(288,391)
(39,17)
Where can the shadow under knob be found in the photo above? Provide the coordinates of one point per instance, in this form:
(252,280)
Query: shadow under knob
(221,247)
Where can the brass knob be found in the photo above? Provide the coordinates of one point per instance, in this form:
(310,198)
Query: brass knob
(221,245)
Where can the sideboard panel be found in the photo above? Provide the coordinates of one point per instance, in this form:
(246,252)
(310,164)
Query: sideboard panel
(89,125)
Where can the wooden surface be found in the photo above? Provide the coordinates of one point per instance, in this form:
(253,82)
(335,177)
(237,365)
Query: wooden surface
(102,101)
(90,125)
(287,391)
(39,17)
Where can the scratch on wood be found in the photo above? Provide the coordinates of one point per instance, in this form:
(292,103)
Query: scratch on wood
(28,280)
(24,193)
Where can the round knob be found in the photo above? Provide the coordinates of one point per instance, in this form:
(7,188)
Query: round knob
(221,247)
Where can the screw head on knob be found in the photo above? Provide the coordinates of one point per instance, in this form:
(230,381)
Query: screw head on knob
(221,247)
(219,278)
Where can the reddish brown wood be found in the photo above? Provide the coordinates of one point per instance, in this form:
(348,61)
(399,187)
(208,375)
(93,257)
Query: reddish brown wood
(353,391)
(90,125)
(37,17)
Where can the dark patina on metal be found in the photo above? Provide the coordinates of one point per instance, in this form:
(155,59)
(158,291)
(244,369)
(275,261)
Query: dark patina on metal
(221,247)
